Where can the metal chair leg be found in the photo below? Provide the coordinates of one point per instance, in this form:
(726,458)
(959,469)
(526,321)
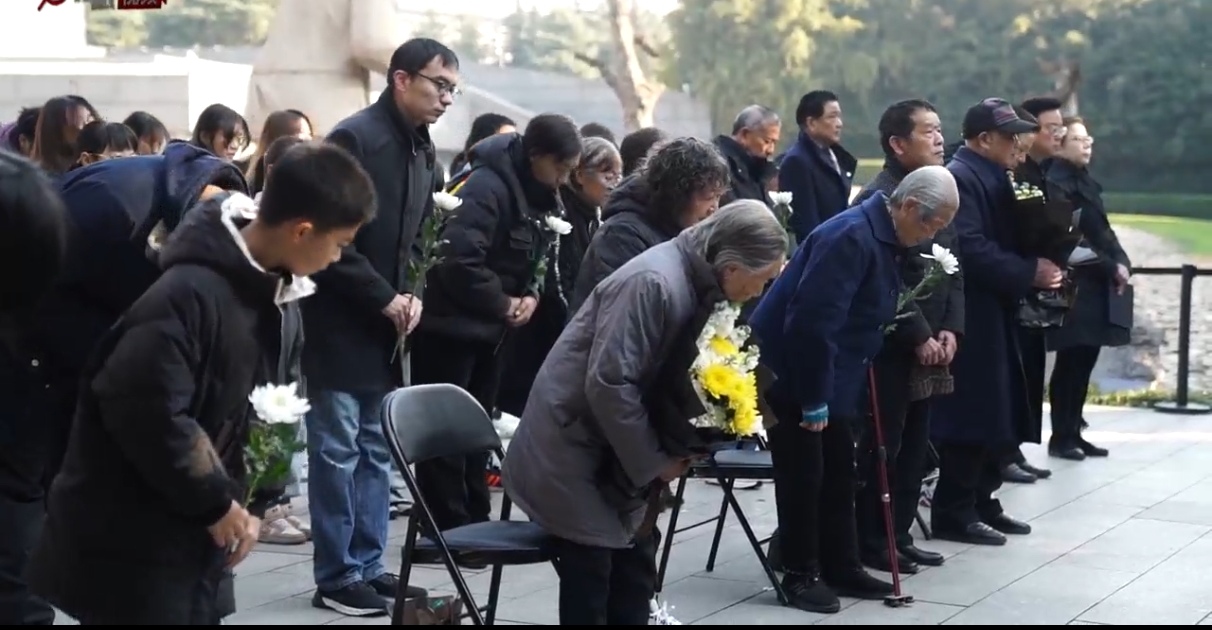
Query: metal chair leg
(668,542)
(727,485)
(757,546)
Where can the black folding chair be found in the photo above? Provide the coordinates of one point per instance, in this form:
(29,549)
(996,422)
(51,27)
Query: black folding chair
(727,467)
(425,422)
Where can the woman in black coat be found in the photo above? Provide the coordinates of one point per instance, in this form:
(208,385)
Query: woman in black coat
(33,245)
(583,196)
(1101,282)
(487,284)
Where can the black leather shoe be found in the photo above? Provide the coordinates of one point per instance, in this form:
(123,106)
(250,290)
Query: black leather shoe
(809,594)
(1071,453)
(1090,450)
(858,584)
(1009,525)
(922,557)
(1040,473)
(1015,474)
(879,561)
(974,534)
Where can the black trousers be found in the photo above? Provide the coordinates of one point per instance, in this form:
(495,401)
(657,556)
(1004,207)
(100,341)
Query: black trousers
(907,443)
(20,527)
(1068,389)
(606,587)
(815,481)
(456,488)
(969,475)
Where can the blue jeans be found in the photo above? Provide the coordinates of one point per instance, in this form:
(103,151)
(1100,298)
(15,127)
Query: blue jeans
(348,487)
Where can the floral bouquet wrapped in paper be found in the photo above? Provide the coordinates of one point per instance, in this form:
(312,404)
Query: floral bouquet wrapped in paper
(724,375)
(1044,228)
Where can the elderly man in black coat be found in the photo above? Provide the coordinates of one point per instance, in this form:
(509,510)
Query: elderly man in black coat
(913,367)
(985,417)
(755,134)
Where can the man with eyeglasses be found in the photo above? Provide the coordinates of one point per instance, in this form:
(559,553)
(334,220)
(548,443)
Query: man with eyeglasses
(1047,112)
(364,306)
(978,423)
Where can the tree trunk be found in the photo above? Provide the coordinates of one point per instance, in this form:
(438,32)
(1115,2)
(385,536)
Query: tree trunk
(637,94)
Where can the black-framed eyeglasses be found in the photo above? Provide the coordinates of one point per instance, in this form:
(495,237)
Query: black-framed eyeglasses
(445,88)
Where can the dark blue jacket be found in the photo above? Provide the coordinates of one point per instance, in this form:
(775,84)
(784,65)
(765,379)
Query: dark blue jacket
(990,399)
(822,322)
(112,207)
(818,190)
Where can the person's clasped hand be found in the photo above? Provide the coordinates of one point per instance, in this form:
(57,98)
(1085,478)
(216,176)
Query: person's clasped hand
(815,419)
(1047,274)
(521,310)
(931,352)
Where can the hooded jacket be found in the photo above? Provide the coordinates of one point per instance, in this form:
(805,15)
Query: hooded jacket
(113,207)
(156,451)
(630,226)
(494,242)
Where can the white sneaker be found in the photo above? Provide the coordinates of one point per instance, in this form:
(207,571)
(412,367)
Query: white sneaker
(277,528)
(659,614)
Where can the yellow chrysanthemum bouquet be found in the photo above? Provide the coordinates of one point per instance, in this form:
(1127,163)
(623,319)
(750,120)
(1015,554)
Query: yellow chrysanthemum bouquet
(724,375)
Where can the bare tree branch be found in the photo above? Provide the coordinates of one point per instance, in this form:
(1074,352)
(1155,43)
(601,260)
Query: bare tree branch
(603,68)
(649,49)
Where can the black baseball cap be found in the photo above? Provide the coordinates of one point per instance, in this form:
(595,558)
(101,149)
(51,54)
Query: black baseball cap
(995,114)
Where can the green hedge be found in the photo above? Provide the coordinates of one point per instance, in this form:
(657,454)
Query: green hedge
(1163,204)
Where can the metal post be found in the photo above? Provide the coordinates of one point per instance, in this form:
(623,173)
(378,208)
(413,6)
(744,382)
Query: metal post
(1182,403)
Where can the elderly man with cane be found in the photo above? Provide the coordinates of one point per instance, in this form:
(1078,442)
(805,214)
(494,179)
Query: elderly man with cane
(819,327)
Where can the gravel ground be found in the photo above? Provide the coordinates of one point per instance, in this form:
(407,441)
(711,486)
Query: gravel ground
(1154,353)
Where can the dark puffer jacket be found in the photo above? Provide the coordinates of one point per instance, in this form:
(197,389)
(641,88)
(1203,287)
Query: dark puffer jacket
(630,226)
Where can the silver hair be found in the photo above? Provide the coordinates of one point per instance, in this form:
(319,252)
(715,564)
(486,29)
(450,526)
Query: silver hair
(754,117)
(933,187)
(598,154)
(743,234)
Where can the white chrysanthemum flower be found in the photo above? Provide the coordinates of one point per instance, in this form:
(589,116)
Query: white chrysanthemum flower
(279,404)
(780,198)
(558,225)
(446,201)
(944,258)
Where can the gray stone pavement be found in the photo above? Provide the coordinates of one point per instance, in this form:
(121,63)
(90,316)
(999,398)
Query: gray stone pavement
(1127,540)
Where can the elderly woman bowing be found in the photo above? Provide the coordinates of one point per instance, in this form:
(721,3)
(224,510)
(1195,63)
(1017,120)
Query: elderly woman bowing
(588,450)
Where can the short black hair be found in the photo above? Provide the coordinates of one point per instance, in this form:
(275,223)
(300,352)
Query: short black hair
(33,234)
(321,183)
(413,55)
(99,136)
(636,146)
(598,130)
(897,122)
(812,105)
(1040,104)
(279,147)
(146,126)
(552,134)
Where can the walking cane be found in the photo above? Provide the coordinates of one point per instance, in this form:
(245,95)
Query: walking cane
(898,599)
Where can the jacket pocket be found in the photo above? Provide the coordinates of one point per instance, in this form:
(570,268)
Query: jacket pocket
(522,238)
